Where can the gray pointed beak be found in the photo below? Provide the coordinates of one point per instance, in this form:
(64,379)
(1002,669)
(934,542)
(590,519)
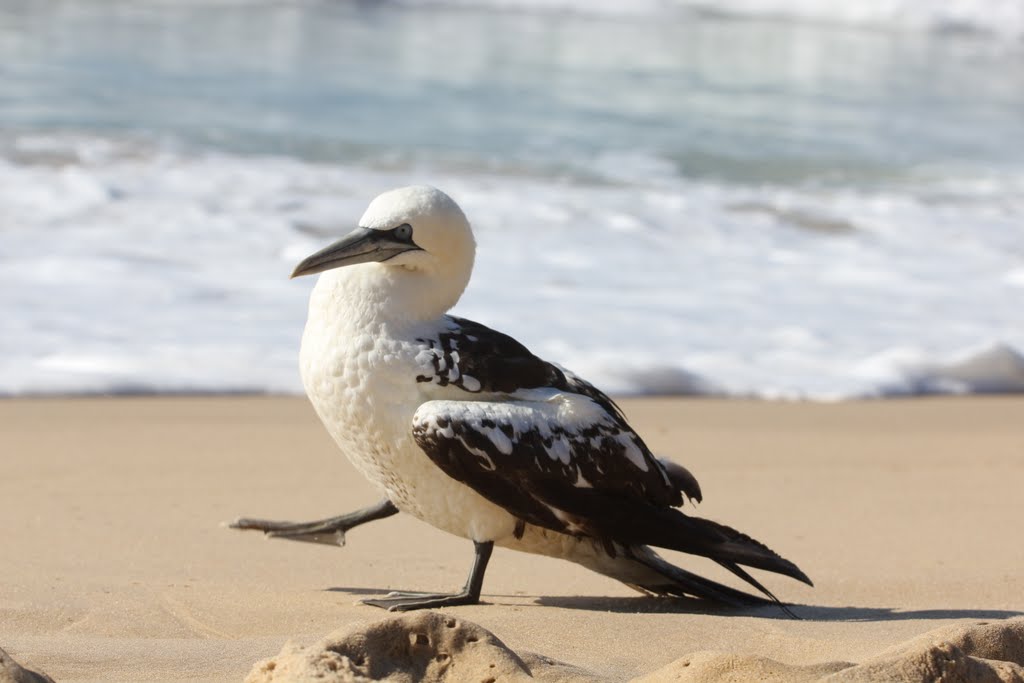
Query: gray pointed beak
(362,245)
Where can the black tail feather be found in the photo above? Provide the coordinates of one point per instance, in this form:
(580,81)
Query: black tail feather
(745,575)
(670,528)
(681,583)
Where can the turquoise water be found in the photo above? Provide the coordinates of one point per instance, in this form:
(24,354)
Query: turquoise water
(540,92)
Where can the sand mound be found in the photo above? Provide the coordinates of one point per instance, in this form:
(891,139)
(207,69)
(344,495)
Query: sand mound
(430,646)
(12,672)
(960,653)
(981,652)
(424,646)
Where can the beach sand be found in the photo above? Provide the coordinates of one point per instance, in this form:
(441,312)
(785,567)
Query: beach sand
(907,514)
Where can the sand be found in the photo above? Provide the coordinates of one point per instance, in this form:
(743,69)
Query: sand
(908,515)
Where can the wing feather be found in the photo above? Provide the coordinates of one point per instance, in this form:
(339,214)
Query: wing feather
(556,463)
(481,360)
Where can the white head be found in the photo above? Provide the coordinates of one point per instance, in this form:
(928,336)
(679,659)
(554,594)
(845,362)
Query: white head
(411,256)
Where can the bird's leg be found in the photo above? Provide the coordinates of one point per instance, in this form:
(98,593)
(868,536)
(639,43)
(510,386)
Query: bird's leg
(469,595)
(330,531)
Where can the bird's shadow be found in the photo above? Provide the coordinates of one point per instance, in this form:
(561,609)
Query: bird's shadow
(651,605)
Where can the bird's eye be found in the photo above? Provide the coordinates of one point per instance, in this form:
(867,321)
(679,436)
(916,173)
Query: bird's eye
(404,232)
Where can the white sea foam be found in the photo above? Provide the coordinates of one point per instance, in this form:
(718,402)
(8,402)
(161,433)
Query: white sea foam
(1002,18)
(992,368)
(133,266)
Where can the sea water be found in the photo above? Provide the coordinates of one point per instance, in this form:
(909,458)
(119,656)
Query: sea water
(752,197)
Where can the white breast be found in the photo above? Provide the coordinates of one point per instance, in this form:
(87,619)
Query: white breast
(361,379)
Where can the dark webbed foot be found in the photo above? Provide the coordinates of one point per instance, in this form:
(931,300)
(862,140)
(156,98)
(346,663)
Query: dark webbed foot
(330,531)
(469,595)
(406,601)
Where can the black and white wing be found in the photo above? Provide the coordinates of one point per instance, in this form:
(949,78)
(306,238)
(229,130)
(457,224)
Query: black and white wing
(560,461)
(557,453)
(580,432)
(557,461)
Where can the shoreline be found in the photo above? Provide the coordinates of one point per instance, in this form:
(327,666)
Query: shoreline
(617,397)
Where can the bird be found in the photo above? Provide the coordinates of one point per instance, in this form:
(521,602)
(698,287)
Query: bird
(462,427)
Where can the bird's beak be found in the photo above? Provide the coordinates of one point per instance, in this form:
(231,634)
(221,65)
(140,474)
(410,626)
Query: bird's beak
(362,245)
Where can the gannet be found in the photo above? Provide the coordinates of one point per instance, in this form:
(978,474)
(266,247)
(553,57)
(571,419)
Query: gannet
(464,428)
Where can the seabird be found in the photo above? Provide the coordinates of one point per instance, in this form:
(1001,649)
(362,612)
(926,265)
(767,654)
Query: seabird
(463,427)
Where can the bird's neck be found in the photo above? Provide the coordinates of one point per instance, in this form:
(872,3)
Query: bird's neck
(369,295)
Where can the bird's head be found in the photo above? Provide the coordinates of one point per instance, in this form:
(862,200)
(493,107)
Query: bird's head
(413,238)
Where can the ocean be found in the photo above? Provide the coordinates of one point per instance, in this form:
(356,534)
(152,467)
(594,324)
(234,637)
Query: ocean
(767,198)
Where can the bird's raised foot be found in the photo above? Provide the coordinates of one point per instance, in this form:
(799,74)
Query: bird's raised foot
(329,531)
(405,601)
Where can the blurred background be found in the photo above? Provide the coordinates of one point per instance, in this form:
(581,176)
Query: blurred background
(778,198)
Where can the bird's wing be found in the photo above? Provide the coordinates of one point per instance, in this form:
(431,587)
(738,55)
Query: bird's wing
(561,461)
(554,451)
(557,460)
(483,362)
(480,360)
